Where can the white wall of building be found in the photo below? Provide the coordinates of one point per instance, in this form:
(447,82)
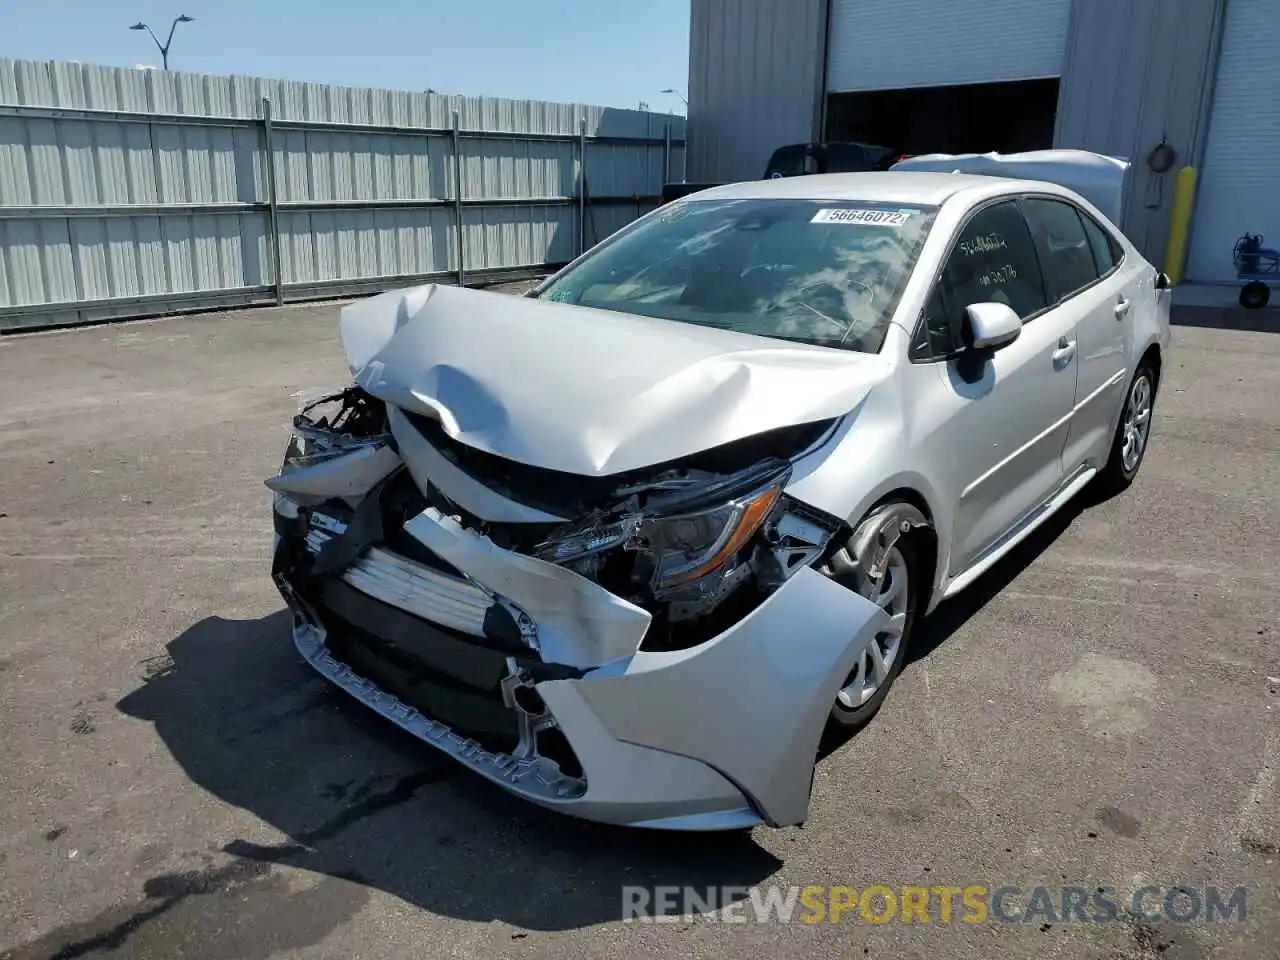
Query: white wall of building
(896,44)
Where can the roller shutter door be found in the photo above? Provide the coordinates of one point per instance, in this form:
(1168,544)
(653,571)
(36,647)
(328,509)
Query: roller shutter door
(895,44)
(1239,188)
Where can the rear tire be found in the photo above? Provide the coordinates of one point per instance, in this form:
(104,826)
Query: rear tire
(1133,433)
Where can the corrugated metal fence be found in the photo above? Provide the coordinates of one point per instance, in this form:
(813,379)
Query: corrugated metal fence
(129,193)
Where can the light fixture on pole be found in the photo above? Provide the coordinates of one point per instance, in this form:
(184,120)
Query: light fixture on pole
(163,47)
(678,94)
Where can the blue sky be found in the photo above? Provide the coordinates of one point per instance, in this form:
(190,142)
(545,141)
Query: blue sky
(609,52)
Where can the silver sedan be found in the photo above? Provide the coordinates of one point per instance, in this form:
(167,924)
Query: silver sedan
(627,546)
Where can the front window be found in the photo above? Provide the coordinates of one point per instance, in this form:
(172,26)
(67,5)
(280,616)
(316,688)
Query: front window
(994,260)
(828,273)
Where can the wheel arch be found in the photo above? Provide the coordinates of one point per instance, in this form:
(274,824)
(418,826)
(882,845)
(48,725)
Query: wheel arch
(1154,357)
(923,532)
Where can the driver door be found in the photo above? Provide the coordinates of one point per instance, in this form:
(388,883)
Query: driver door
(1002,416)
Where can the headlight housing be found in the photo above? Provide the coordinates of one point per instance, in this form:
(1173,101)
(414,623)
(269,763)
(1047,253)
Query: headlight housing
(689,541)
(675,541)
(687,547)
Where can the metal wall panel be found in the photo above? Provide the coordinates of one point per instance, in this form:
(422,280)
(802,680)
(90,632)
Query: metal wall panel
(505,235)
(1137,72)
(133,192)
(755,82)
(896,44)
(1239,188)
(1133,71)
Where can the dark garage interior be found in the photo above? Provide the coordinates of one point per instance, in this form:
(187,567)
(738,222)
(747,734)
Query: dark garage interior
(975,118)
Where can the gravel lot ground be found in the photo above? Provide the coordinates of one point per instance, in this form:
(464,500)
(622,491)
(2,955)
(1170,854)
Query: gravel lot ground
(1103,709)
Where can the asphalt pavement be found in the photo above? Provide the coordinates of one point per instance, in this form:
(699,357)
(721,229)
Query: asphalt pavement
(1102,710)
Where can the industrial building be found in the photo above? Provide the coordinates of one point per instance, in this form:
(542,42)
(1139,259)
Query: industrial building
(1167,84)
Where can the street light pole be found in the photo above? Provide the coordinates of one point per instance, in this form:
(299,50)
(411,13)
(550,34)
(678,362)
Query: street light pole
(163,47)
(678,94)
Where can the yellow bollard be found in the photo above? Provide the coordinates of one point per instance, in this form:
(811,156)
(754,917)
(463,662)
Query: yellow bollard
(1184,195)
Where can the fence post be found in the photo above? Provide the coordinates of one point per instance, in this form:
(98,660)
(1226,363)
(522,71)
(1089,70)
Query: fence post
(582,186)
(457,193)
(666,154)
(273,201)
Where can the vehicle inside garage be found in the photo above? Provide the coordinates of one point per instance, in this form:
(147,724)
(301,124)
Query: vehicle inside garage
(1008,117)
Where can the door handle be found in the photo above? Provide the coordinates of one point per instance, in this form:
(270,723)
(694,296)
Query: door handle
(1066,350)
(1122,308)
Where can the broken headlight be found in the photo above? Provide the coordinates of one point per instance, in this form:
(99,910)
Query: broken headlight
(682,549)
(693,539)
(334,426)
(699,550)
(670,549)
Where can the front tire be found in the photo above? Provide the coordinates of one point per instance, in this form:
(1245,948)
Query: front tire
(897,593)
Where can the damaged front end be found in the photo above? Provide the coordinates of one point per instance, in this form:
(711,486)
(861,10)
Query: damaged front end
(698,550)
(340,445)
(392,623)
(546,652)
(698,543)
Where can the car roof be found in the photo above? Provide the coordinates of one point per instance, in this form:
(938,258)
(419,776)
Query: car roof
(892,186)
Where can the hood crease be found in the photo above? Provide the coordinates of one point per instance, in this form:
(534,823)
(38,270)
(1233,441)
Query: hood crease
(587,391)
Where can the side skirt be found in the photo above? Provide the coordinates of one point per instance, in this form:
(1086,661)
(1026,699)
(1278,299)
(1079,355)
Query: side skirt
(1020,531)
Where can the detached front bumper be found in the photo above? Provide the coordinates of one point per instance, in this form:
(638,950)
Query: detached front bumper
(573,716)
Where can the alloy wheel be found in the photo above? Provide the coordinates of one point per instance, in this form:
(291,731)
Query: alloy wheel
(892,594)
(1137,423)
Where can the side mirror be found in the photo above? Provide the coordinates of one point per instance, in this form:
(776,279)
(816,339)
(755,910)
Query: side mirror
(992,325)
(1163,282)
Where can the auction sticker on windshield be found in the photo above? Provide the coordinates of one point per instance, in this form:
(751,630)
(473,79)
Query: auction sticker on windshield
(878,218)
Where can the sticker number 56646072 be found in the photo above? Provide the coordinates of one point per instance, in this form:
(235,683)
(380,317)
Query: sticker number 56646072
(875,218)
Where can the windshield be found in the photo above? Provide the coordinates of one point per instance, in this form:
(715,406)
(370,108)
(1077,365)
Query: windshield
(819,272)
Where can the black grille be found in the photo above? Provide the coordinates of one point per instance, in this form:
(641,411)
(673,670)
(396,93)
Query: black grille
(446,677)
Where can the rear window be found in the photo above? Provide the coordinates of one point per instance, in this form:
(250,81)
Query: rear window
(847,158)
(1065,254)
(819,272)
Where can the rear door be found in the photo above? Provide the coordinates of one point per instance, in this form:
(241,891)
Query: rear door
(1082,272)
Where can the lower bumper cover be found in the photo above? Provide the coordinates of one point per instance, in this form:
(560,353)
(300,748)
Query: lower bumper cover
(629,786)
(723,735)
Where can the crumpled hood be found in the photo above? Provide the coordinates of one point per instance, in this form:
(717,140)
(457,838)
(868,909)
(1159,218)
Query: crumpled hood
(587,391)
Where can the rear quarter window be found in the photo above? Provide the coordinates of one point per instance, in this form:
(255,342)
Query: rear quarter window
(1107,252)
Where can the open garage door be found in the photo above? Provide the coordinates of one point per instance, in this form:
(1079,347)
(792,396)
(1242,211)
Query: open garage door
(1239,189)
(896,44)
